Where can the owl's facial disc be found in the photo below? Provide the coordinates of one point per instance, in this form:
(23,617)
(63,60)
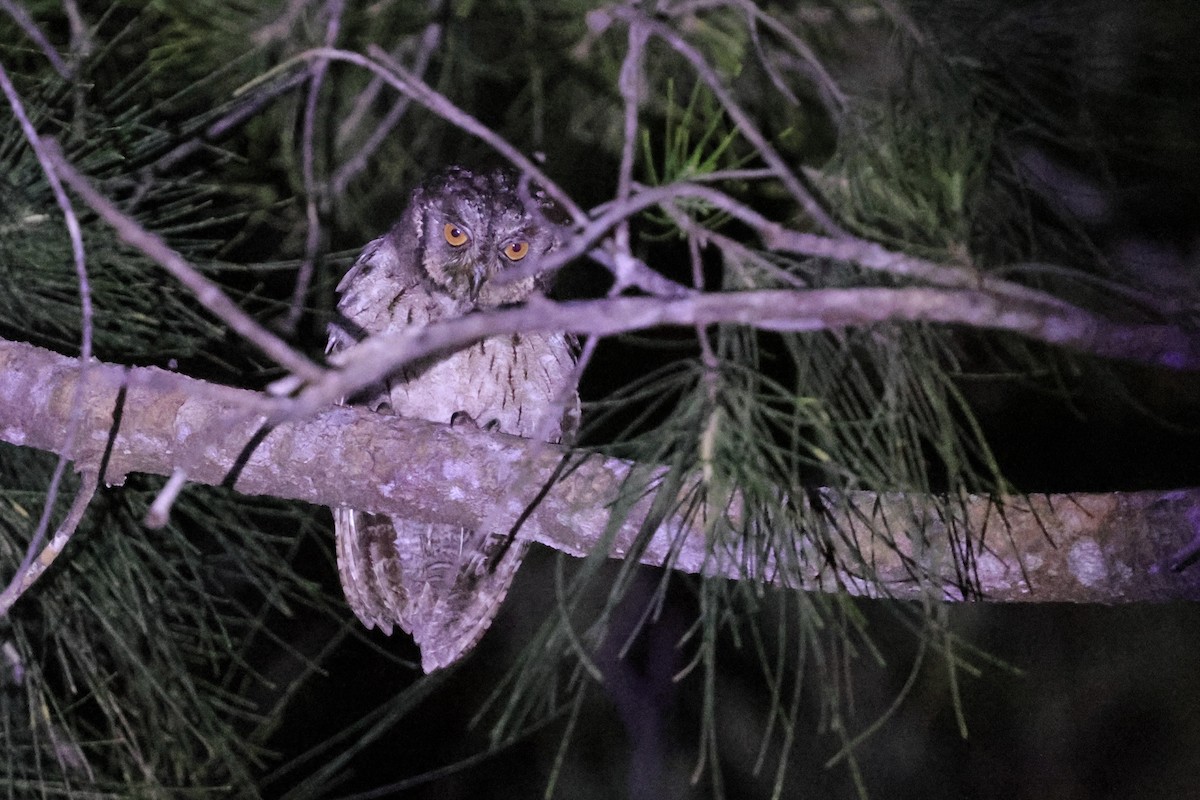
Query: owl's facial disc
(474,228)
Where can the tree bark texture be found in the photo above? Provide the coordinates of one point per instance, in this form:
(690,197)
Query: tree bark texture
(1110,548)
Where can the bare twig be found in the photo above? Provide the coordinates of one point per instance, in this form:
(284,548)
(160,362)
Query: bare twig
(439,104)
(281,28)
(30,570)
(835,98)
(775,310)
(41,152)
(777,237)
(312,239)
(768,65)
(218,128)
(629,83)
(721,175)
(712,388)
(790,180)
(362,106)
(25,23)
(160,510)
(82,44)
(207,292)
(401,79)
(430,40)
(733,250)
(631,271)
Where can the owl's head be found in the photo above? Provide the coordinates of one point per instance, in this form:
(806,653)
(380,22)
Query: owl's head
(473,226)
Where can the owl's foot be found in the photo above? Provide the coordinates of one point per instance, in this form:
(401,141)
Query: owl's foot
(459,418)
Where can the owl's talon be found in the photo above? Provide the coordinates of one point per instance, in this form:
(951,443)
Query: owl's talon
(460,418)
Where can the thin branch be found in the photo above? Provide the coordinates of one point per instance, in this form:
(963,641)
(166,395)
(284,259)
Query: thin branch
(312,239)
(441,105)
(629,83)
(160,510)
(775,310)
(431,39)
(826,84)
(358,111)
(242,112)
(791,181)
(82,44)
(404,81)
(25,23)
(733,250)
(775,236)
(720,175)
(207,292)
(40,150)
(281,28)
(31,570)
(632,272)
(768,66)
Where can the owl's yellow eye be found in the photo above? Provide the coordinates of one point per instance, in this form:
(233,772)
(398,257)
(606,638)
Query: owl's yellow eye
(455,236)
(515,251)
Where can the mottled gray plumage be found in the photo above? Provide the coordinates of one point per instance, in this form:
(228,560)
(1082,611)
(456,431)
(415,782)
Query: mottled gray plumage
(441,583)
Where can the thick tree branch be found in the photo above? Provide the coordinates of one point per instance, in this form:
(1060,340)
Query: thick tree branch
(1098,548)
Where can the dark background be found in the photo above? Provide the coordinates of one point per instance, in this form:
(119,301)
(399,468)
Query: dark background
(1097,105)
(1090,702)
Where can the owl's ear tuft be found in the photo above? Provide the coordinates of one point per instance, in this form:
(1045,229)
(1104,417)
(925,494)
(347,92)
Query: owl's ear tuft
(550,210)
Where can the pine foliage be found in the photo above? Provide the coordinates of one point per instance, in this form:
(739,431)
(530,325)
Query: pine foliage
(162,663)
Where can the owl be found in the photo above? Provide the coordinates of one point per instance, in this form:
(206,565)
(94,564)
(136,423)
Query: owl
(441,583)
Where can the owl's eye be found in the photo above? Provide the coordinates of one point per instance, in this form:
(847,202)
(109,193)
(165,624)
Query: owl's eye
(515,251)
(455,236)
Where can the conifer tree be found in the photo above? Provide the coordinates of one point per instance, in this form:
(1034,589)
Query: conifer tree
(806,251)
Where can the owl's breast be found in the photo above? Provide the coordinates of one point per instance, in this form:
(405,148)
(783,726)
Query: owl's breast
(512,382)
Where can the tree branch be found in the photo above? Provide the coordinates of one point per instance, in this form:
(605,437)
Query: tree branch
(1096,548)
(792,181)
(1053,322)
(25,22)
(207,292)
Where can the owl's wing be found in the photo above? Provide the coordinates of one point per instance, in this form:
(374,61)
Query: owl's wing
(371,574)
(360,295)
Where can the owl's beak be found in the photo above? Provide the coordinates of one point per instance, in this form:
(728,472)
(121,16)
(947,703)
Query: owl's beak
(478,276)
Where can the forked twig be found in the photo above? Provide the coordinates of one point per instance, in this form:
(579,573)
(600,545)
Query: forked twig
(42,150)
(206,292)
(32,568)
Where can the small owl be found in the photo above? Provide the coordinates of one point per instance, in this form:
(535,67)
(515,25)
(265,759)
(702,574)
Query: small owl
(441,583)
